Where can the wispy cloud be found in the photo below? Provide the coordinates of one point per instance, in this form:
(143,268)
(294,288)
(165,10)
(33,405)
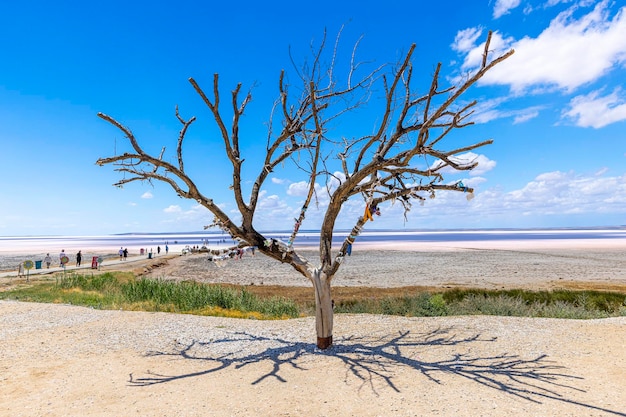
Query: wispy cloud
(193,218)
(489,110)
(559,192)
(173,209)
(503,7)
(553,193)
(147,195)
(594,110)
(525,115)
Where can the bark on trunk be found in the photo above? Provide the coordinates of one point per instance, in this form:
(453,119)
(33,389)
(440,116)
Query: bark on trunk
(323,310)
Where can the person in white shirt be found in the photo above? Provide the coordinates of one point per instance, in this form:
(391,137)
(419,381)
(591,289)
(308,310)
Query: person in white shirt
(47,260)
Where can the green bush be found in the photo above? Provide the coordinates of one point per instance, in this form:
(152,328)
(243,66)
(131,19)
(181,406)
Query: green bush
(189,296)
(116,290)
(422,304)
(89,283)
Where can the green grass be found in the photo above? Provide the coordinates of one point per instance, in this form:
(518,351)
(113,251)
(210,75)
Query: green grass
(420,305)
(123,291)
(115,291)
(556,304)
(192,296)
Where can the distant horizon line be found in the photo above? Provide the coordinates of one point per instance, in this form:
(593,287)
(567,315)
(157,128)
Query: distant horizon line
(383,230)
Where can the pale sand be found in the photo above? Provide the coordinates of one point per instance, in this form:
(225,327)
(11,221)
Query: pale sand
(62,360)
(490,265)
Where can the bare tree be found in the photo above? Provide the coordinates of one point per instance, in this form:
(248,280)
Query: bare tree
(385,165)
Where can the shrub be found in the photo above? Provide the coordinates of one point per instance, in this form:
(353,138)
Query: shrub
(88,283)
(189,296)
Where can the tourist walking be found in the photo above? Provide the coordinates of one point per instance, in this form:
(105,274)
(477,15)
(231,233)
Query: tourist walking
(62,258)
(79,257)
(125,253)
(47,260)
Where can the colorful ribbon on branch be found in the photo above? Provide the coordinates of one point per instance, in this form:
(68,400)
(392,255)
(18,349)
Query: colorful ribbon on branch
(470,195)
(369,210)
(220,256)
(296,227)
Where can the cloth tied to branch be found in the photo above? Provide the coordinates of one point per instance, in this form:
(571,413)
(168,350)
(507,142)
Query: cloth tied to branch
(368,212)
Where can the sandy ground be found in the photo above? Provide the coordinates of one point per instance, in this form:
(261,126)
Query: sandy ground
(60,360)
(530,266)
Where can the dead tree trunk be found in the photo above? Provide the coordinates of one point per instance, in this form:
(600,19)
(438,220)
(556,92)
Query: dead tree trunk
(323,309)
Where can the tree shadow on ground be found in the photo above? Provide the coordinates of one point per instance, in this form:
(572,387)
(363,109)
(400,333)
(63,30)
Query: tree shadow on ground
(374,358)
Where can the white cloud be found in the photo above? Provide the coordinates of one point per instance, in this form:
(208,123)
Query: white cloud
(298,189)
(525,115)
(554,195)
(486,114)
(193,218)
(503,7)
(172,209)
(528,9)
(593,110)
(465,40)
(301,188)
(278,180)
(336,179)
(484,164)
(270,202)
(561,193)
(498,46)
(474,181)
(488,110)
(551,3)
(274,213)
(147,194)
(571,52)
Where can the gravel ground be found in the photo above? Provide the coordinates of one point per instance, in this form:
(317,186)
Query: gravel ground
(60,360)
(484,268)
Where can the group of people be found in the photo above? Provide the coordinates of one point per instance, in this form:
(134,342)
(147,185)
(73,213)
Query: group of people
(123,252)
(167,249)
(63,259)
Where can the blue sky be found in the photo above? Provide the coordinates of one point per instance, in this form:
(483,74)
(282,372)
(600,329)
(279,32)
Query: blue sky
(556,109)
